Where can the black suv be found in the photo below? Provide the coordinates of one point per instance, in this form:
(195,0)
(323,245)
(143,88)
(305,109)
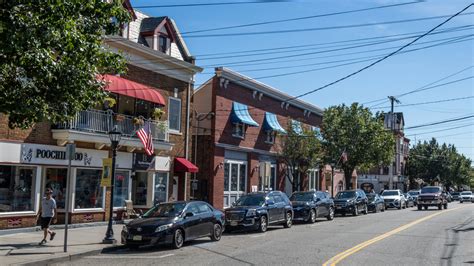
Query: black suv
(256,211)
(308,206)
(351,201)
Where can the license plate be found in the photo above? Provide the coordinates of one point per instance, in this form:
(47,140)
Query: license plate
(233,223)
(137,238)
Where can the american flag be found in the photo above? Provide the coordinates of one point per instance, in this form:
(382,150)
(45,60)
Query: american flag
(145,136)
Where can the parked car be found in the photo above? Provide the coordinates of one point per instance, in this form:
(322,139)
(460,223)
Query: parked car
(455,195)
(409,201)
(308,206)
(256,211)
(351,201)
(414,194)
(376,203)
(394,199)
(432,196)
(466,196)
(174,223)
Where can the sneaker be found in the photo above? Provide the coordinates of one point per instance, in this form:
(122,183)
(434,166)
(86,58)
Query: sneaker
(53,234)
(42,242)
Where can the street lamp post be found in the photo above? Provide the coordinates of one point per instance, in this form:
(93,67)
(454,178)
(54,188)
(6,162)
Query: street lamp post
(115,137)
(332,178)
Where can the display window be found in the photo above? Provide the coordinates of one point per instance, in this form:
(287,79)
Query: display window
(56,180)
(17,188)
(121,188)
(139,188)
(161,187)
(88,192)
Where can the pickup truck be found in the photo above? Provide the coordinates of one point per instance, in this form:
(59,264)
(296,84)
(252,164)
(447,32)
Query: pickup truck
(432,196)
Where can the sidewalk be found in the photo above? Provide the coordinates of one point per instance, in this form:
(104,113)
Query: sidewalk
(23,248)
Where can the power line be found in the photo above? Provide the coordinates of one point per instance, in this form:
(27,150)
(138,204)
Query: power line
(441,122)
(318,28)
(385,57)
(441,130)
(214,4)
(301,18)
(439,101)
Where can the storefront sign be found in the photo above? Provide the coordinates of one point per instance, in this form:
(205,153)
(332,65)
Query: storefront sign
(106,180)
(141,161)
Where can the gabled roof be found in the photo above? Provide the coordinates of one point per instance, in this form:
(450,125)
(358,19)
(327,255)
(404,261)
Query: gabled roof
(151,23)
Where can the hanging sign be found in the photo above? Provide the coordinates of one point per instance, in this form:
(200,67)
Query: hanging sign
(106,180)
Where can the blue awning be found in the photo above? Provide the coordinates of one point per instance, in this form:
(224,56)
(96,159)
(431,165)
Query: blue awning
(240,114)
(271,123)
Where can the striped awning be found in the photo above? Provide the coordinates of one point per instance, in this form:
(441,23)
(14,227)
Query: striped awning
(271,123)
(240,114)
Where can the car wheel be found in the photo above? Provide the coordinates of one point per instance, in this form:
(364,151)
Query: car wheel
(440,206)
(178,239)
(263,224)
(419,207)
(216,232)
(356,211)
(445,206)
(331,214)
(312,216)
(366,210)
(289,220)
(426,207)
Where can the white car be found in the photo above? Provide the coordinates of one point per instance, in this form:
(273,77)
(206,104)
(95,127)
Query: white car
(466,196)
(394,199)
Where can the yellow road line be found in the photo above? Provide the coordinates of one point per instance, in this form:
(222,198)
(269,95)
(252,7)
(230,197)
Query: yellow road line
(336,259)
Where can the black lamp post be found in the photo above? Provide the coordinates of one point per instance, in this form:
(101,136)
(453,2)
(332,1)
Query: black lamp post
(332,178)
(115,137)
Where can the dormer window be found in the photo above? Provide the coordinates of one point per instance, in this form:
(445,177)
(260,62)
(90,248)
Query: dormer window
(270,137)
(239,130)
(163,44)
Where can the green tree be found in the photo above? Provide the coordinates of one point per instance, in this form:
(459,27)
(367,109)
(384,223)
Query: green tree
(50,55)
(360,134)
(430,160)
(300,151)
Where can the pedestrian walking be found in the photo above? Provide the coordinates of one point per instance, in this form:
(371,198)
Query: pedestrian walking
(48,212)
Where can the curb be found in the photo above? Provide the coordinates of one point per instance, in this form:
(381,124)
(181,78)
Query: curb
(56,227)
(72,257)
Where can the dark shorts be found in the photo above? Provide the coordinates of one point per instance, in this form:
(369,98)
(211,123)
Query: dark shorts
(45,222)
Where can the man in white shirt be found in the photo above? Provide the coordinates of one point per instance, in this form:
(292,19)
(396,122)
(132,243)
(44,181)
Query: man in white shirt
(48,213)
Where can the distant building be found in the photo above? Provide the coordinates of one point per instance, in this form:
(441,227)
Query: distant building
(390,176)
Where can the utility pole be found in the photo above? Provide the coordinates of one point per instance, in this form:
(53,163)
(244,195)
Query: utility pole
(393,100)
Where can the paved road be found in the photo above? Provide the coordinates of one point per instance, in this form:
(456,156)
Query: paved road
(396,237)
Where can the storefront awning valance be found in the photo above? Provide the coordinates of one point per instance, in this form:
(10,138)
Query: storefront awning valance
(271,123)
(132,89)
(240,114)
(183,165)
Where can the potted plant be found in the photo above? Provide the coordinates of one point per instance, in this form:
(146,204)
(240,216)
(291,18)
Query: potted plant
(109,102)
(157,113)
(138,121)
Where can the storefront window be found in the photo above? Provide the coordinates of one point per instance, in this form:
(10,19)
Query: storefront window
(89,194)
(17,188)
(139,188)
(161,187)
(56,179)
(121,188)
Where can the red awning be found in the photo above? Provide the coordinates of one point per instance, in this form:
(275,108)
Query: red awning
(132,89)
(183,165)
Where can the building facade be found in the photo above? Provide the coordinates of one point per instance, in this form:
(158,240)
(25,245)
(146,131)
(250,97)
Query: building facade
(160,77)
(237,125)
(390,176)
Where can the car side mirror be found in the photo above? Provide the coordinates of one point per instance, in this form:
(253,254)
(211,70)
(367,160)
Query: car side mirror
(189,214)
(269,202)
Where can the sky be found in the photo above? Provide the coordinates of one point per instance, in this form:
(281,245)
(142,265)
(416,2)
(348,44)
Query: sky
(448,63)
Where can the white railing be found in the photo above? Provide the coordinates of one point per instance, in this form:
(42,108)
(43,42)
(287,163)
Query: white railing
(102,122)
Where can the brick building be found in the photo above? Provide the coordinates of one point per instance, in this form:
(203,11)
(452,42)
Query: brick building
(160,77)
(235,127)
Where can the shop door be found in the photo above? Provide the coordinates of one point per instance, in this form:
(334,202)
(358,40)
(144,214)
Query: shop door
(235,181)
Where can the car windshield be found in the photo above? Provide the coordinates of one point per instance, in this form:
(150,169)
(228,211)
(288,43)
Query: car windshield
(345,195)
(466,193)
(302,197)
(455,193)
(251,200)
(371,196)
(414,193)
(165,210)
(390,193)
(430,190)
